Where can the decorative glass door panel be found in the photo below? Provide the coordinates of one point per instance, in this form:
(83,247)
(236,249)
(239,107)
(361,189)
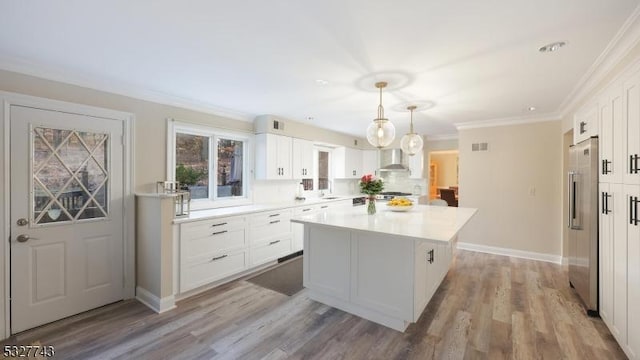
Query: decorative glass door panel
(70,175)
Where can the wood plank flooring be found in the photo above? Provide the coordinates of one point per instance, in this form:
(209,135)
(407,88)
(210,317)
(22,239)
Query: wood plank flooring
(488,307)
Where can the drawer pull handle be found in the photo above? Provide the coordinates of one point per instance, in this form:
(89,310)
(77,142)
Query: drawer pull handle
(430,258)
(306,209)
(274,215)
(219,257)
(274,222)
(274,242)
(214,225)
(219,232)
(324,207)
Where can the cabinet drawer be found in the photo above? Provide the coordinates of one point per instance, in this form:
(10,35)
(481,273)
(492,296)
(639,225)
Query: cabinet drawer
(220,241)
(271,251)
(215,268)
(302,210)
(266,232)
(204,228)
(270,217)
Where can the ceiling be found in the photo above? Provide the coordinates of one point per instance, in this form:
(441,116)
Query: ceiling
(472,60)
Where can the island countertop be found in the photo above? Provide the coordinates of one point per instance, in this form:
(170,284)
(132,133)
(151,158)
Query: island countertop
(435,223)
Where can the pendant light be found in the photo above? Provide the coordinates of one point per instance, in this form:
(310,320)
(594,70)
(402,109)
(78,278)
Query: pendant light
(381,132)
(411,143)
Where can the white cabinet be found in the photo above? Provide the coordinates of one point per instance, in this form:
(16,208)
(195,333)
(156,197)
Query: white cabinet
(370,161)
(211,250)
(632,221)
(269,236)
(416,166)
(302,159)
(273,157)
(612,162)
(613,259)
(585,123)
(432,263)
(631,139)
(347,163)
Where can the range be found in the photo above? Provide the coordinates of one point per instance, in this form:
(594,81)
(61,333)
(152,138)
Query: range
(388,195)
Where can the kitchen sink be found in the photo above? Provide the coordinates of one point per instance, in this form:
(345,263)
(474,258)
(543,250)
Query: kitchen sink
(330,198)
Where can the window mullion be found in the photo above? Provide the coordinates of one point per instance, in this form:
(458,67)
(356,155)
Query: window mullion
(213,166)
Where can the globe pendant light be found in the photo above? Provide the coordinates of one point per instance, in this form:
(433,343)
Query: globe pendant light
(381,131)
(411,143)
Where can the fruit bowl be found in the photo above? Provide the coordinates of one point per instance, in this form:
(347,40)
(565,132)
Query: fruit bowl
(400,204)
(400,208)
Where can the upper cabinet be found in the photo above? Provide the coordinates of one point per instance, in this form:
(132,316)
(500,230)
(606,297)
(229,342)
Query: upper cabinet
(416,166)
(585,123)
(631,129)
(370,161)
(612,165)
(273,157)
(302,159)
(347,163)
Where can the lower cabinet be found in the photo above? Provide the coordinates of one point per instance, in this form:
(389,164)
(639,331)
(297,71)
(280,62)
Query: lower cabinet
(632,193)
(619,252)
(432,263)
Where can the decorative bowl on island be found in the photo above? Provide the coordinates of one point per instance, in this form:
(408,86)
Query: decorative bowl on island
(400,204)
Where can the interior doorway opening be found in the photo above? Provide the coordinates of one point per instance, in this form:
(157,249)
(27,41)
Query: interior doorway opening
(444,173)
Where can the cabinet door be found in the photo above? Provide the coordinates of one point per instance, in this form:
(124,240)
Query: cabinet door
(631,140)
(606,274)
(617,207)
(353,163)
(370,163)
(606,140)
(415,166)
(284,147)
(347,163)
(633,266)
(585,123)
(302,159)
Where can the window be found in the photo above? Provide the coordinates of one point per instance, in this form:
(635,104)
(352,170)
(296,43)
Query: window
(211,163)
(322,160)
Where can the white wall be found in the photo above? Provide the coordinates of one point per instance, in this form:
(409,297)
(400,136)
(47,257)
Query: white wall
(499,181)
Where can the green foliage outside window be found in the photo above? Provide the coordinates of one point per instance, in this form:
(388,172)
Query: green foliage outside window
(188,175)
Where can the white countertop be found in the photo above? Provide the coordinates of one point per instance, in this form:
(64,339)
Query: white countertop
(196,215)
(423,221)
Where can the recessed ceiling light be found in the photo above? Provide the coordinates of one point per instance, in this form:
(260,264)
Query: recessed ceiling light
(321,82)
(531,108)
(552,47)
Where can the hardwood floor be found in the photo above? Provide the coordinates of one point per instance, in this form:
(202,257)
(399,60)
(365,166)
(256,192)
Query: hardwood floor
(488,307)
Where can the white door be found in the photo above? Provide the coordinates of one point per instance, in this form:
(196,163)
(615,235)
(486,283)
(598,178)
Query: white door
(66,215)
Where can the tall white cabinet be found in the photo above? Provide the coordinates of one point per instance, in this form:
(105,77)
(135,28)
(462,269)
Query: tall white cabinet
(619,247)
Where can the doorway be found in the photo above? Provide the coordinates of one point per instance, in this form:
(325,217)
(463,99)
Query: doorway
(68,214)
(443,172)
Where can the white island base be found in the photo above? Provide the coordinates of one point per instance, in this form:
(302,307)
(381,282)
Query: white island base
(378,274)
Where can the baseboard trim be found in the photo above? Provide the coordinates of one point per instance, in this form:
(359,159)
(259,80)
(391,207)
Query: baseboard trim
(153,302)
(556,259)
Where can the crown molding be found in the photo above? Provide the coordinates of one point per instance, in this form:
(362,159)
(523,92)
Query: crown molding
(441,137)
(509,121)
(627,37)
(120,88)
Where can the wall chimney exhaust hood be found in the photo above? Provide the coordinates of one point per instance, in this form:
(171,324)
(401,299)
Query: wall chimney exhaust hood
(392,160)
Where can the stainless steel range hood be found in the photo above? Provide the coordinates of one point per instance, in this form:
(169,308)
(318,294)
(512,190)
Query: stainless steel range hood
(392,160)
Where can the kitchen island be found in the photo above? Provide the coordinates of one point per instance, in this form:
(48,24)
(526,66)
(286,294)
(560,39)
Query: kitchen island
(383,267)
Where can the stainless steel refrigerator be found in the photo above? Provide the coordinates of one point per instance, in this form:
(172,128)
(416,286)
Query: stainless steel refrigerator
(583,222)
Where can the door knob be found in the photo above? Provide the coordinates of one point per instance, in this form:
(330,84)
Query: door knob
(23,238)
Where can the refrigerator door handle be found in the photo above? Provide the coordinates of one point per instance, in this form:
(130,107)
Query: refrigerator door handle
(570,191)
